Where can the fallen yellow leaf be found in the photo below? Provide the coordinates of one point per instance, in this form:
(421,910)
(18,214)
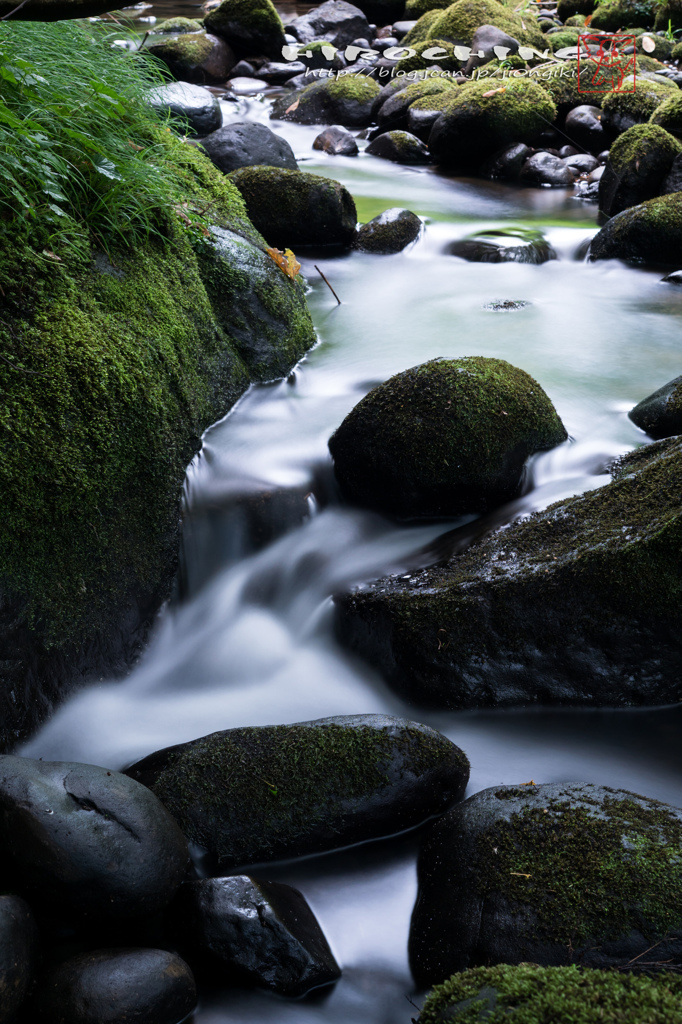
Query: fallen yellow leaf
(292,107)
(492,92)
(286,261)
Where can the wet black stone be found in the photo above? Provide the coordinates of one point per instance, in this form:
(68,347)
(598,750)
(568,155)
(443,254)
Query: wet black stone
(485,38)
(568,151)
(18,954)
(660,414)
(250,931)
(211,66)
(336,21)
(279,72)
(400,147)
(546,169)
(337,141)
(246,144)
(88,841)
(117,986)
(638,164)
(197,104)
(389,232)
(502,246)
(581,163)
(584,127)
(674,278)
(507,162)
(673,179)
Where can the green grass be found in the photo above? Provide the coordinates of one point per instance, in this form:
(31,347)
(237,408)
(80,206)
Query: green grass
(81,151)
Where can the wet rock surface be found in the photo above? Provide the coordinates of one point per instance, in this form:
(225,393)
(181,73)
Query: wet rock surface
(199,57)
(660,414)
(254,932)
(261,794)
(389,232)
(87,841)
(342,101)
(251,28)
(497,878)
(568,606)
(546,169)
(112,986)
(198,105)
(336,21)
(584,127)
(18,954)
(245,144)
(503,246)
(650,233)
(639,162)
(337,141)
(401,147)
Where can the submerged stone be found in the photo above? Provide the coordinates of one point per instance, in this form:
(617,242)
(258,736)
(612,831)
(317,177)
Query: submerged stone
(389,232)
(660,414)
(255,795)
(550,874)
(577,604)
(244,930)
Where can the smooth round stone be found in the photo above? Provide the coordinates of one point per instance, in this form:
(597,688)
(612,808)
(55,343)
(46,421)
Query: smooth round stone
(581,163)
(546,169)
(583,125)
(389,232)
(18,954)
(246,86)
(246,144)
(400,147)
(118,986)
(660,414)
(337,141)
(197,104)
(88,841)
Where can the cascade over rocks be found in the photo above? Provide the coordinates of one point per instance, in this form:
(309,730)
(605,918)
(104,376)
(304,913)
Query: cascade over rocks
(256,795)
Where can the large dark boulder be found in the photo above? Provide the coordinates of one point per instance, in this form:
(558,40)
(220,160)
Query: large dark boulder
(503,245)
(113,986)
(389,232)
(18,954)
(344,101)
(246,144)
(447,437)
(193,102)
(639,161)
(292,208)
(634,103)
(336,21)
(197,57)
(253,28)
(577,604)
(254,932)
(256,795)
(552,874)
(648,233)
(88,841)
(660,414)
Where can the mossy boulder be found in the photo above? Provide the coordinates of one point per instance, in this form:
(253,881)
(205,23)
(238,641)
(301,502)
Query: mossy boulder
(293,208)
(578,604)
(389,232)
(400,147)
(478,120)
(612,15)
(648,233)
(658,47)
(178,26)
(668,115)
(415,8)
(623,109)
(525,992)
(419,33)
(393,113)
(638,164)
(668,15)
(552,874)
(430,53)
(423,113)
(447,437)
(460,20)
(660,414)
(347,101)
(568,85)
(251,27)
(676,54)
(562,40)
(197,57)
(255,795)
(113,366)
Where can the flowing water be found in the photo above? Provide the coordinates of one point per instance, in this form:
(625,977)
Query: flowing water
(248,637)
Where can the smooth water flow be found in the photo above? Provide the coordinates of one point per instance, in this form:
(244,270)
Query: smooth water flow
(248,638)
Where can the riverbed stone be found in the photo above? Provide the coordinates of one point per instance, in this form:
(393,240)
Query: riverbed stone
(196,57)
(253,28)
(393,113)
(246,144)
(571,605)
(193,102)
(614,15)
(400,147)
(88,841)
(584,127)
(336,21)
(337,141)
(177,26)
(481,119)
(345,101)
(660,414)
(546,169)
(18,954)
(461,20)
(639,162)
(294,208)
(648,233)
(112,986)
(389,232)
(253,932)
(624,108)
(583,163)
(256,795)
(504,245)
(507,162)
(447,437)
(669,115)
(498,877)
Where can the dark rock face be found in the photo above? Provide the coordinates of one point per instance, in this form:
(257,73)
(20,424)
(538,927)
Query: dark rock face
(198,105)
(292,208)
(251,27)
(498,877)
(583,126)
(382,12)
(88,841)
(507,162)
(639,161)
(448,437)
(401,147)
(648,233)
(18,954)
(336,21)
(389,232)
(485,39)
(257,795)
(546,169)
(197,57)
(342,101)
(673,179)
(110,986)
(263,933)
(660,414)
(504,246)
(336,141)
(573,605)
(581,163)
(247,143)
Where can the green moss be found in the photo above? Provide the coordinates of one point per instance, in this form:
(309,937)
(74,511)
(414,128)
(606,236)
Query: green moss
(561,81)
(252,27)
(611,15)
(559,40)
(663,47)
(641,140)
(346,100)
(185,51)
(420,32)
(639,104)
(446,61)
(577,20)
(416,8)
(459,22)
(650,64)
(178,25)
(668,14)
(669,115)
(527,994)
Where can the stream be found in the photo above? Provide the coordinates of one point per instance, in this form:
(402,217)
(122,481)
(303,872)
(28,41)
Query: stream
(248,637)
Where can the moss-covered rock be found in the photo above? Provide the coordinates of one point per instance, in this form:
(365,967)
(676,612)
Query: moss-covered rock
(668,115)
(424,112)
(197,57)
(251,27)
(112,366)
(420,32)
(178,26)
(571,10)
(255,795)
(552,874)
(394,111)
(577,604)
(458,23)
(389,232)
(622,109)
(292,208)
(649,233)
(415,8)
(658,47)
(638,163)
(569,85)
(400,147)
(346,100)
(612,15)
(676,53)
(430,53)
(446,437)
(563,39)
(478,120)
(660,414)
(668,15)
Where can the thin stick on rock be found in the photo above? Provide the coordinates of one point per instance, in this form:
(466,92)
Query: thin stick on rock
(327,283)
(15,11)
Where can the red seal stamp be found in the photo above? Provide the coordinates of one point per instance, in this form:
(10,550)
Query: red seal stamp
(603,66)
